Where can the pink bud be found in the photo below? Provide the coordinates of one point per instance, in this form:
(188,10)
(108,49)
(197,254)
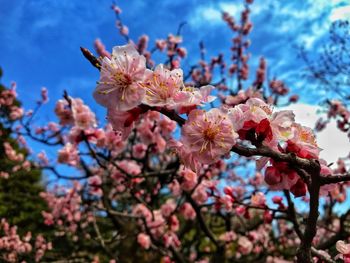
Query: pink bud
(272,176)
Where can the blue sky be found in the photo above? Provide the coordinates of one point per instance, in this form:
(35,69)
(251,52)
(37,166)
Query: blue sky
(40,39)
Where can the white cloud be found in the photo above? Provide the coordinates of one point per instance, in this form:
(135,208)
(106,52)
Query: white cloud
(340,13)
(233,9)
(204,14)
(211,13)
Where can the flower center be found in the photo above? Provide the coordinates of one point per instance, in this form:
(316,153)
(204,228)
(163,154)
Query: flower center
(210,133)
(306,136)
(122,79)
(118,80)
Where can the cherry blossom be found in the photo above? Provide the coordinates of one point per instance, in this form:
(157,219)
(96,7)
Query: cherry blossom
(68,155)
(118,87)
(162,86)
(344,250)
(144,240)
(209,135)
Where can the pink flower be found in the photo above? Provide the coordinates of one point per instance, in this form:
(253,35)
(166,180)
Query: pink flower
(44,95)
(343,249)
(139,150)
(83,117)
(186,156)
(101,49)
(227,201)
(245,245)
(200,194)
(144,240)
(157,224)
(142,211)
(129,167)
(279,177)
(142,44)
(258,199)
(171,240)
(116,9)
(278,87)
(174,223)
(160,142)
(209,135)
(327,171)
(299,188)
(190,96)
(161,44)
(272,176)
(174,39)
(268,217)
(74,113)
(68,155)
(182,52)
(161,86)
(293,98)
(254,110)
(11,154)
(120,122)
(237,99)
(189,179)
(166,125)
(168,207)
(303,142)
(118,87)
(277,199)
(146,131)
(95,183)
(228,236)
(187,211)
(174,187)
(124,30)
(255,115)
(4,175)
(64,113)
(16,113)
(281,123)
(7,97)
(52,126)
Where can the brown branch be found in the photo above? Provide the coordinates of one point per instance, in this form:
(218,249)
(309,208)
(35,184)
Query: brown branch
(201,221)
(333,179)
(304,251)
(318,254)
(292,215)
(169,113)
(308,165)
(101,240)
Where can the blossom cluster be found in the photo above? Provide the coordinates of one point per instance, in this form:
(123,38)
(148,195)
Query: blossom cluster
(13,247)
(17,158)
(127,86)
(66,210)
(126,83)
(8,101)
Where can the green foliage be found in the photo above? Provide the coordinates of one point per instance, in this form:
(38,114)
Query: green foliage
(20,202)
